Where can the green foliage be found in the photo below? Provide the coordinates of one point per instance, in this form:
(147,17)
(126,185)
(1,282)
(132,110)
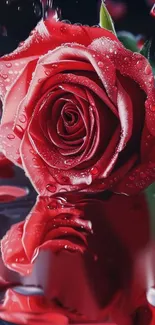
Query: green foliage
(105,19)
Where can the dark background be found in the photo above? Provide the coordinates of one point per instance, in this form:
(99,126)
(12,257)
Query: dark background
(18,17)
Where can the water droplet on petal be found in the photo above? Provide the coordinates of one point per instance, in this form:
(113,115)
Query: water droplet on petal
(65,179)
(139,64)
(19,128)
(47,72)
(52,206)
(143,175)
(22,118)
(94,171)
(63,29)
(51,188)
(131,178)
(127,59)
(54,65)
(68,162)
(148,69)
(62,190)
(32,151)
(100,64)
(152,108)
(4,76)
(10,136)
(8,65)
(65,246)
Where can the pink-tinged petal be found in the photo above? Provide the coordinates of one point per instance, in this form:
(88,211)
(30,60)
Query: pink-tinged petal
(11,134)
(16,93)
(30,160)
(128,63)
(136,67)
(10,72)
(13,191)
(100,63)
(138,178)
(125,108)
(46,36)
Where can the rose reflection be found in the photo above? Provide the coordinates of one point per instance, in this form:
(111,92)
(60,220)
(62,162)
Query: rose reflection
(81,252)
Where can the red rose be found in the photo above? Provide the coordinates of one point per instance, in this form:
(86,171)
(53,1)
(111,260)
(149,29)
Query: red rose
(81,115)
(83,248)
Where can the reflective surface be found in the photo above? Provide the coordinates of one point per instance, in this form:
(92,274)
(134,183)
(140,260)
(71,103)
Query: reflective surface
(87,258)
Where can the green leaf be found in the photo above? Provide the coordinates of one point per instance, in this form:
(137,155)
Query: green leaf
(128,40)
(150,196)
(105,19)
(145,51)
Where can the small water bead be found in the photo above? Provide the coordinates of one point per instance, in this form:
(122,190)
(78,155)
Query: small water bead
(94,171)
(66,247)
(54,65)
(68,162)
(4,76)
(139,64)
(77,24)
(47,72)
(10,136)
(100,64)
(66,22)
(21,44)
(51,188)
(148,70)
(131,178)
(62,190)
(63,29)
(65,179)
(152,108)
(127,59)
(8,65)
(22,118)
(143,175)
(19,128)
(32,151)
(52,206)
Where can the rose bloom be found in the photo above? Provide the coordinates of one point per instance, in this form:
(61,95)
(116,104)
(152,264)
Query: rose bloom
(78,111)
(82,257)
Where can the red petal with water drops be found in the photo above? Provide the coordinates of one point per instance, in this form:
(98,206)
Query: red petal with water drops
(46,36)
